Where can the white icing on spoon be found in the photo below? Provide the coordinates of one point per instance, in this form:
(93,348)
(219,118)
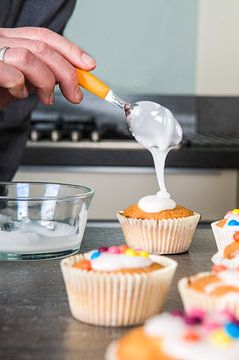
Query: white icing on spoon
(155,128)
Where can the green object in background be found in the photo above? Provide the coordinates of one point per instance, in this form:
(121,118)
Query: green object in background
(146,46)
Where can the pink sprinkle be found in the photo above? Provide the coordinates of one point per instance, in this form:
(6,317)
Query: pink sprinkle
(198,313)
(103,249)
(114,250)
(211,326)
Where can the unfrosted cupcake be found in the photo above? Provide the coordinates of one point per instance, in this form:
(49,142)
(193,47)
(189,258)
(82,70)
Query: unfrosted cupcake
(229,257)
(218,289)
(224,229)
(164,232)
(116,286)
(195,335)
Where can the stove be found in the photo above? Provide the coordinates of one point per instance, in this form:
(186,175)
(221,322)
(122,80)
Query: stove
(98,122)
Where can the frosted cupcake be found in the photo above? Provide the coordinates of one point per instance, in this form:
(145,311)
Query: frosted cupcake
(218,289)
(195,335)
(229,257)
(224,229)
(168,231)
(116,286)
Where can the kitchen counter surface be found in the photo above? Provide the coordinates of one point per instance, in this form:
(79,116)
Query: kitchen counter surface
(35,318)
(127,153)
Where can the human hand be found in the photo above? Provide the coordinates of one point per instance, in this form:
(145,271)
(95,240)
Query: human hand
(39,58)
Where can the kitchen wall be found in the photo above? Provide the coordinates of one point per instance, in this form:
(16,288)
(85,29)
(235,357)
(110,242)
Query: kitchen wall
(145,46)
(162,46)
(217,70)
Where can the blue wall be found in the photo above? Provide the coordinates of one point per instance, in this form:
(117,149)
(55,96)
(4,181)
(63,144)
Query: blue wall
(143,46)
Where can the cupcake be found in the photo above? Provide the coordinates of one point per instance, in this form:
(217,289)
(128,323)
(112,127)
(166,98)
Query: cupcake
(229,257)
(218,289)
(224,229)
(164,232)
(116,286)
(195,335)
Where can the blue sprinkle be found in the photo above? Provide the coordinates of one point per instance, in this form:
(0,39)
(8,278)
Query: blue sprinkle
(232,330)
(233,223)
(95,255)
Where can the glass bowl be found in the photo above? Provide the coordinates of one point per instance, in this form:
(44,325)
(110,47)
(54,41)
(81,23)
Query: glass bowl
(42,220)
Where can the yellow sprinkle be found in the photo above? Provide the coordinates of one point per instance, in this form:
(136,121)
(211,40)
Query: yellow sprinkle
(235,211)
(131,252)
(220,338)
(143,253)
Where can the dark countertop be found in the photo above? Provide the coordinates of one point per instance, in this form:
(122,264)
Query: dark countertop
(71,154)
(35,319)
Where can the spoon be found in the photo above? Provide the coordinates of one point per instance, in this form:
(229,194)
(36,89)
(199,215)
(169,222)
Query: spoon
(151,124)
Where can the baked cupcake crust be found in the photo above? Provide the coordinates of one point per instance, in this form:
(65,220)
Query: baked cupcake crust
(133,211)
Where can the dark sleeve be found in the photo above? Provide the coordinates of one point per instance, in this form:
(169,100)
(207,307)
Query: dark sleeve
(15,118)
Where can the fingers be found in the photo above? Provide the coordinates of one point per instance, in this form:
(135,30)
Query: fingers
(63,71)
(73,53)
(12,80)
(35,71)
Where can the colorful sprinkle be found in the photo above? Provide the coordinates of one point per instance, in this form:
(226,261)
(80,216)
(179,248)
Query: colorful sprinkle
(232,329)
(131,252)
(143,253)
(191,335)
(218,268)
(95,254)
(114,250)
(233,222)
(211,325)
(220,338)
(198,313)
(123,248)
(103,249)
(192,320)
(235,211)
(83,265)
(236,236)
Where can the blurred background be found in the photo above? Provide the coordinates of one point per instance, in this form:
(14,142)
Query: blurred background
(183,54)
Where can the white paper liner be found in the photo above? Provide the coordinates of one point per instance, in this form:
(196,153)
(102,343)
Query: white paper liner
(169,236)
(195,299)
(222,235)
(116,299)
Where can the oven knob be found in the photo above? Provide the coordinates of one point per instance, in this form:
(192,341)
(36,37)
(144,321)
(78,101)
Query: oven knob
(75,135)
(55,135)
(95,136)
(35,135)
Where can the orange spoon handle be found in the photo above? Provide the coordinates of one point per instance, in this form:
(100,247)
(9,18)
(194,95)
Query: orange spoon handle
(91,83)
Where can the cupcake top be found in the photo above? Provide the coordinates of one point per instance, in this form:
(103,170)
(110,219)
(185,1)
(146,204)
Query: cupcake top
(230,255)
(222,281)
(133,211)
(194,335)
(230,221)
(116,258)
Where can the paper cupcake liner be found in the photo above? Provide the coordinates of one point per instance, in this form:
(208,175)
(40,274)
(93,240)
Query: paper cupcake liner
(194,299)
(169,236)
(116,299)
(218,259)
(222,235)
